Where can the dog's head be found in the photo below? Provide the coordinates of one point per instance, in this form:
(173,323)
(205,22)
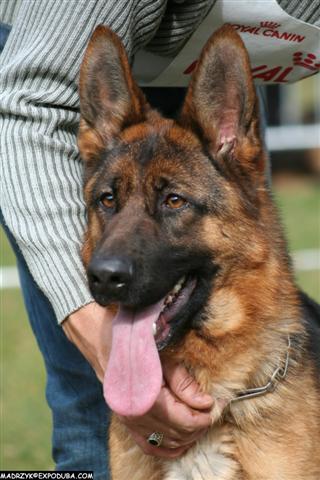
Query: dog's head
(181,234)
(174,207)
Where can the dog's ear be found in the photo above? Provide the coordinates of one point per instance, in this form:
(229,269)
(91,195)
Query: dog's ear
(109,97)
(221,105)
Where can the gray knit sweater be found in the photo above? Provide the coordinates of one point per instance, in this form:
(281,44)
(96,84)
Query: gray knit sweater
(41,172)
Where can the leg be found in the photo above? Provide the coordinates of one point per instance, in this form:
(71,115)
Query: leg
(80,416)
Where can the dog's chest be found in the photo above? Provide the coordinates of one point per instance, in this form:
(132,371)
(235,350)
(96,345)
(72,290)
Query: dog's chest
(213,458)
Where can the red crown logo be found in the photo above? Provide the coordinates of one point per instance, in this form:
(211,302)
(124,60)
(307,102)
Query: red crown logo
(271,25)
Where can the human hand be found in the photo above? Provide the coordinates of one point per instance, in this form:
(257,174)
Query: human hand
(181,413)
(89,328)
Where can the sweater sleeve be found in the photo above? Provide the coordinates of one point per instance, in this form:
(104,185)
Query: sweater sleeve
(41,172)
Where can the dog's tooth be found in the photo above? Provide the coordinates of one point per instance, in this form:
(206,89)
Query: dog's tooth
(174,292)
(178,285)
(154,328)
(177,288)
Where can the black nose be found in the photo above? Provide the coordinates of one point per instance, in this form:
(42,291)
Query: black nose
(110,276)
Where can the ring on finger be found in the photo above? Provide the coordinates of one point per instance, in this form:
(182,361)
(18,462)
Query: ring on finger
(155,439)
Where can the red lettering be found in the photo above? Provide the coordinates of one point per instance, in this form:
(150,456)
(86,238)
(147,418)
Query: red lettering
(282,77)
(286,36)
(276,34)
(299,38)
(248,29)
(290,37)
(256,69)
(190,68)
(268,33)
(268,75)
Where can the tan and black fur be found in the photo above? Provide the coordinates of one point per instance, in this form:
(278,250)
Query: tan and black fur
(226,234)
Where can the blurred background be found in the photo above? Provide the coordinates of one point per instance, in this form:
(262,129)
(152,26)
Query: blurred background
(293,139)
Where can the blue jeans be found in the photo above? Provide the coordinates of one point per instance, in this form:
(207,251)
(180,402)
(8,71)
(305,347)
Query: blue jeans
(80,414)
(4,33)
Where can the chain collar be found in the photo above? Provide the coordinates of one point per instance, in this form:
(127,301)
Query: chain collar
(279,374)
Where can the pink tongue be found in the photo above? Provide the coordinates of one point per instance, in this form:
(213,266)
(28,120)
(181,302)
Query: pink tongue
(134,376)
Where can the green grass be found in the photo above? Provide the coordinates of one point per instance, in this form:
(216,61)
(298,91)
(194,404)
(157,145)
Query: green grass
(25,418)
(6,254)
(310,283)
(300,213)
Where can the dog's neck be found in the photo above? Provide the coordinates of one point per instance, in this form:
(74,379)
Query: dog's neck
(243,344)
(278,375)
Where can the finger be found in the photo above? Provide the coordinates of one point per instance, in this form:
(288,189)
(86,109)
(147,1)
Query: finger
(182,441)
(184,386)
(172,440)
(171,417)
(161,452)
(147,425)
(179,416)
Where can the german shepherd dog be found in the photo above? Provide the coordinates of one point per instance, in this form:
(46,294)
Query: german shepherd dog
(184,239)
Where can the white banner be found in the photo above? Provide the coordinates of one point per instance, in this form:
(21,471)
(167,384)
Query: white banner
(281,48)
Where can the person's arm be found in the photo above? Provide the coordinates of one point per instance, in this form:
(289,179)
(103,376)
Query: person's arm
(41,175)
(42,199)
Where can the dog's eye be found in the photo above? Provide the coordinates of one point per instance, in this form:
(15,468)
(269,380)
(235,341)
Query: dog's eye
(107,200)
(174,201)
